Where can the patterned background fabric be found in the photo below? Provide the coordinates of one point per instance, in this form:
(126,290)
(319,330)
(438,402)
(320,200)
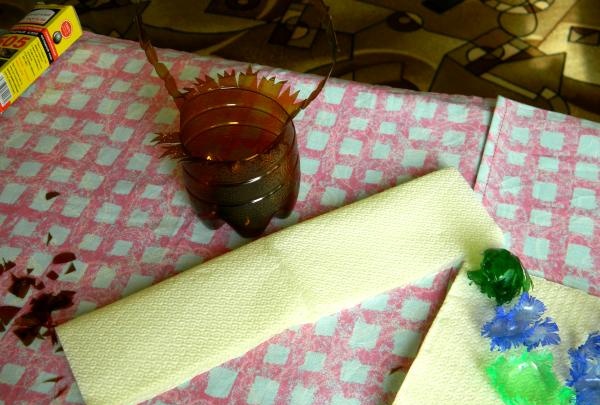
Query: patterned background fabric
(539,52)
(84,130)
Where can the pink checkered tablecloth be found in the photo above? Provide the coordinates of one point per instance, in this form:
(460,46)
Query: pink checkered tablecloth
(84,130)
(539,178)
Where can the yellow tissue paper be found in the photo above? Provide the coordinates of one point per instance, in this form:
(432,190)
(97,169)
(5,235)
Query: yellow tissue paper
(162,336)
(450,366)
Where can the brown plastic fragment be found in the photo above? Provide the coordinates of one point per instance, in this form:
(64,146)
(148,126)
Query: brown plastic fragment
(54,380)
(20,285)
(71,268)
(64,257)
(52,275)
(52,194)
(7,313)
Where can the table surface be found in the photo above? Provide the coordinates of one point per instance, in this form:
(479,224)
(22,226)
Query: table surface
(84,131)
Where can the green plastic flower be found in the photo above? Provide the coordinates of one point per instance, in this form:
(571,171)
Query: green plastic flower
(528,379)
(501,276)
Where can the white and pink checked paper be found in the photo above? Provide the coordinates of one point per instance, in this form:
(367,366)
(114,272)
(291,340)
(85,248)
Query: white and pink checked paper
(84,130)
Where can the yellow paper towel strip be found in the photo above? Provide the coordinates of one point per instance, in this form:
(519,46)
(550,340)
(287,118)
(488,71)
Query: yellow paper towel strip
(450,366)
(162,336)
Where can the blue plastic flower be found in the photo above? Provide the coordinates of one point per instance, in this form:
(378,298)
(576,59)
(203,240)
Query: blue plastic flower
(521,325)
(585,371)
(528,310)
(591,347)
(504,332)
(544,333)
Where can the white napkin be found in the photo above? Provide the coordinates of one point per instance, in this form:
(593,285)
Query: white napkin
(162,336)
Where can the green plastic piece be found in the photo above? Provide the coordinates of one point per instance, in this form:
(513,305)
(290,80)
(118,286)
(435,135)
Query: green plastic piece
(528,379)
(501,276)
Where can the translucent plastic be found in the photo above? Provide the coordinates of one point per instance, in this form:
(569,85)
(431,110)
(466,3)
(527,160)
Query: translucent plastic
(243,164)
(237,141)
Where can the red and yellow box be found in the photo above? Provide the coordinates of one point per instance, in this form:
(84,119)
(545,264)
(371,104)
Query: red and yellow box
(32,45)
